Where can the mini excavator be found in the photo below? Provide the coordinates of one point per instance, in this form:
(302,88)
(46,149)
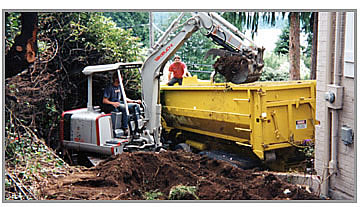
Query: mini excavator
(92,130)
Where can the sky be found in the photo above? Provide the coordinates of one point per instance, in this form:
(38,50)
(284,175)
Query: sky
(266,35)
(266,38)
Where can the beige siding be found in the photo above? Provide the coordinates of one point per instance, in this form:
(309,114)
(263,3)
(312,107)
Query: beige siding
(343,184)
(320,91)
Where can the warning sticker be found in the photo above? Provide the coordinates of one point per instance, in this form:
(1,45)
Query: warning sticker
(301,124)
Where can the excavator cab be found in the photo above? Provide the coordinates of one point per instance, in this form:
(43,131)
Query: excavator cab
(96,129)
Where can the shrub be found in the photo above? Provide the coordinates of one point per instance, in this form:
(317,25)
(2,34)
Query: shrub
(182,192)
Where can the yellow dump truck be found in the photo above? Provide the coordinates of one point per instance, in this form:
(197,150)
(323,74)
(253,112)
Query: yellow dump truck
(266,117)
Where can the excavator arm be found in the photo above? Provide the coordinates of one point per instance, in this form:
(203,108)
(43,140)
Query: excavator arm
(241,60)
(238,62)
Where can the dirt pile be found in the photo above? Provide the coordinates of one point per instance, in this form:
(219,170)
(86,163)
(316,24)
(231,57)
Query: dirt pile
(244,67)
(146,175)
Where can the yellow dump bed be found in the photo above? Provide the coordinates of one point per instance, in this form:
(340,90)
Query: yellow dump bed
(262,115)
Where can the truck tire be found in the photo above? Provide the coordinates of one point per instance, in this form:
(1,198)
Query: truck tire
(183,146)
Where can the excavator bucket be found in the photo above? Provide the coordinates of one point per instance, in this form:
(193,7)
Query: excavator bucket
(242,67)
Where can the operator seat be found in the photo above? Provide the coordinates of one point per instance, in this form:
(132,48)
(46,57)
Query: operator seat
(106,108)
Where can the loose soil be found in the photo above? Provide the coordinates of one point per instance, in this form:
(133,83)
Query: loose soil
(137,175)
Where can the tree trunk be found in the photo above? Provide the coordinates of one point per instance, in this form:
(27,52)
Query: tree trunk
(294,46)
(23,52)
(314,48)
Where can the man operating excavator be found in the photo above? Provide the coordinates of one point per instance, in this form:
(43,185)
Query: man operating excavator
(112,98)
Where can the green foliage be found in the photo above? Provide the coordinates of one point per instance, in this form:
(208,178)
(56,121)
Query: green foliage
(89,38)
(282,47)
(153,195)
(307,20)
(50,106)
(277,68)
(306,58)
(22,150)
(272,70)
(307,51)
(193,50)
(12,28)
(309,151)
(203,71)
(282,44)
(27,158)
(137,21)
(117,43)
(270,74)
(274,61)
(179,192)
(252,20)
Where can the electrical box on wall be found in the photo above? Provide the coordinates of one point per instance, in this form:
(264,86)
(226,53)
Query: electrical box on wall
(347,135)
(334,96)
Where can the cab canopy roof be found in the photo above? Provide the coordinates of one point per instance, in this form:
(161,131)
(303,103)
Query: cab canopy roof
(89,70)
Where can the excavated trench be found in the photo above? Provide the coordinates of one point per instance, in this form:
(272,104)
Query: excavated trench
(148,175)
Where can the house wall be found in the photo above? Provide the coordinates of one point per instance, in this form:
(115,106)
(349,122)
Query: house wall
(342,185)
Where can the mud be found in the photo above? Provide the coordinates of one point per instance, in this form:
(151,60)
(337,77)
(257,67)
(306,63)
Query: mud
(243,68)
(139,175)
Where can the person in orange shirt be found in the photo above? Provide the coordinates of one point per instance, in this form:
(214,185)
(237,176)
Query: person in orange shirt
(177,70)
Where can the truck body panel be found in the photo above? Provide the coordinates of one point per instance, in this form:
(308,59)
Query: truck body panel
(262,115)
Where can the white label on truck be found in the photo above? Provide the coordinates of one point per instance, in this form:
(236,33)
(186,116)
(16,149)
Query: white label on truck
(301,124)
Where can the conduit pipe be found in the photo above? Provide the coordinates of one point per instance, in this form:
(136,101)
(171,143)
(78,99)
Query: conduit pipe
(339,48)
(335,38)
(338,67)
(329,66)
